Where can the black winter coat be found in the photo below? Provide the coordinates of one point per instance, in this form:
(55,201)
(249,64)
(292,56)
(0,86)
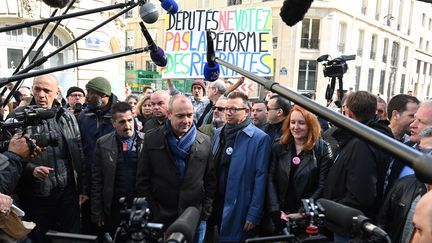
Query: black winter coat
(158,178)
(394,211)
(356,178)
(309,179)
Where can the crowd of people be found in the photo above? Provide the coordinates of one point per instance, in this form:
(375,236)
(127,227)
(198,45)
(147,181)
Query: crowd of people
(244,164)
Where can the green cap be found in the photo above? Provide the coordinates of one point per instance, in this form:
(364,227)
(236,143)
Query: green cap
(100,85)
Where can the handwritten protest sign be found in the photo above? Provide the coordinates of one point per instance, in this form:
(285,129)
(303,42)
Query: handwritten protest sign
(242,37)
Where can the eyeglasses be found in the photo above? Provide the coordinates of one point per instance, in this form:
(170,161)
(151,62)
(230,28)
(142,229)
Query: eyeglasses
(277,108)
(218,108)
(234,109)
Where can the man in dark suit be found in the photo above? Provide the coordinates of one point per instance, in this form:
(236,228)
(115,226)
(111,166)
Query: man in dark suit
(175,169)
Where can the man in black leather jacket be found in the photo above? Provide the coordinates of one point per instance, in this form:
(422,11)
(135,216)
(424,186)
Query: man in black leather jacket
(396,213)
(356,178)
(51,183)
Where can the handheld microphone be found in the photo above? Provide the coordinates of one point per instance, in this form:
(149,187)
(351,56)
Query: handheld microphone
(293,11)
(148,13)
(170,6)
(56,3)
(156,53)
(183,229)
(211,68)
(350,220)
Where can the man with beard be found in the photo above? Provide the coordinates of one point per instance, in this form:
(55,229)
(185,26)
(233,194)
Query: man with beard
(175,169)
(259,115)
(218,118)
(114,171)
(94,122)
(159,102)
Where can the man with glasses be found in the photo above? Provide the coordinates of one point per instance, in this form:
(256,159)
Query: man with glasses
(75,100)
(219,120)
(159,101)
(94,123)
(241,152)
(278,109)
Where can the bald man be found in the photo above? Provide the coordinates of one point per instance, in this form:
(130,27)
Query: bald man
(175,170)
(159,101)
(423,220)
(51,182)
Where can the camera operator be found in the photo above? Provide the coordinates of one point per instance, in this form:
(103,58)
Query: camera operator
(50,183)
(13,161)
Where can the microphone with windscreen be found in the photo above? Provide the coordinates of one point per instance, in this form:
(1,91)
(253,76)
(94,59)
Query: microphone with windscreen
(293,11)
(148,13)
(348,221)
(170,6)
(56,3)
(211,68)
(156,53)
(183,229)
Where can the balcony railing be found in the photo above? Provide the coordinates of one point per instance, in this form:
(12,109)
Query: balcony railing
(309,43)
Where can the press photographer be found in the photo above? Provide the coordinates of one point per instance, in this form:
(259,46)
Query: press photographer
(50,185)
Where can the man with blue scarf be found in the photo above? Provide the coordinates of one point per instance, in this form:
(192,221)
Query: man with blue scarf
(175,170)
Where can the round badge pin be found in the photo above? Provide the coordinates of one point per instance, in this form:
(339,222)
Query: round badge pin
(229,151)
(296,160)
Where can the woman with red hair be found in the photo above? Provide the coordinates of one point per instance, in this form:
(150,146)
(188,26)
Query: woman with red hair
(299,164)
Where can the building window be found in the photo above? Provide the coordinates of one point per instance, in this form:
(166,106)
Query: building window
(32,56)
(405,59)
(357,78)
(130,38)
(129,65)
(360,43)
(370,79)
(421,43)
(129,14)
(307,75)
(394,59)
(14,35)
(150,66)
(382,80)
(373,47)
(310,33)
(364,5)
(57,60)
(402,84)
(14,57)
(275,42)
(234,2)
(423,19)
(342,37)
(55,41)
(384,57)
(425,68)
(418,66)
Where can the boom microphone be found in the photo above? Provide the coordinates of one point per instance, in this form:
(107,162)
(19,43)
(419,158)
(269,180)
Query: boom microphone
(293,11)
(170,6)
(148,13)
(350,220)
(156,53)
(211,68)
(56,3)
(183,229)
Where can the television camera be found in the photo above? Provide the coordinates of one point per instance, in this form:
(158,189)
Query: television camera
(134,225)
(335,68)
(29,121)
